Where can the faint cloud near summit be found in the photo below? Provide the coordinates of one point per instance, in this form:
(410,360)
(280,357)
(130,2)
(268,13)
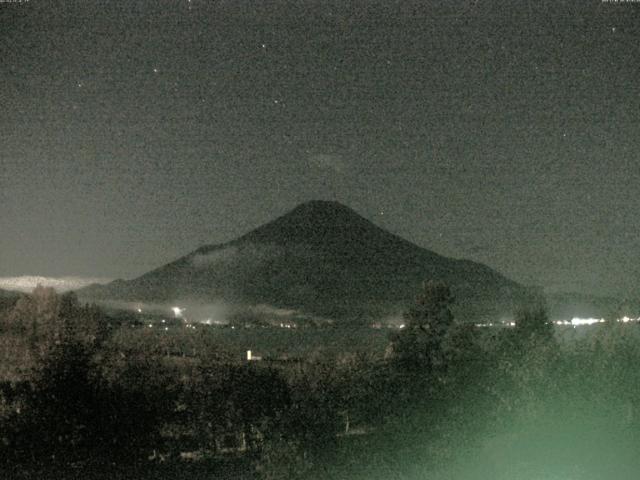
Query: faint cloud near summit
(329,162)
(248,254)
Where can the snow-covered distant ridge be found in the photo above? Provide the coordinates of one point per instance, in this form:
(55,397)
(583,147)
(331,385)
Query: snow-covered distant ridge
(26,283)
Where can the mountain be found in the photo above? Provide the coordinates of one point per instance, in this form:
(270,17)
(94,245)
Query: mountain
(8,294)
(7,300)
(565,305)
(324,259)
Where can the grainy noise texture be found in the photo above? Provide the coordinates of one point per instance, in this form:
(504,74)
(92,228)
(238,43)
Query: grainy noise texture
(134,132)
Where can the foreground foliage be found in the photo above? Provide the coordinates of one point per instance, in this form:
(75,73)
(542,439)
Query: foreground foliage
(449,401)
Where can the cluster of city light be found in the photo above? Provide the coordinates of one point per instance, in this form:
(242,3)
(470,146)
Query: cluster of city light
(166,329)
(574,322)
(577,321)
(178,312)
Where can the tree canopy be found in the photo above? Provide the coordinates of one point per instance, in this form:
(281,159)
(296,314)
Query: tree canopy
(420,342)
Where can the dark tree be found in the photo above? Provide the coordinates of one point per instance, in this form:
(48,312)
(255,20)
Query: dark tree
(533,324)
(421,342)
(235,399)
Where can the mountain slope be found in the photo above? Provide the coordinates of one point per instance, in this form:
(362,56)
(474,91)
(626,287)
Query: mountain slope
(8,293)
(324,259)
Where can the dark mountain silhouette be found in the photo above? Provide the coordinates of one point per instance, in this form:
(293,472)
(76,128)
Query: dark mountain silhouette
(8,293)
(324,259)
(7,300)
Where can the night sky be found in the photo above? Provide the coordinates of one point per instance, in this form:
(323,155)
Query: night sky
(505,132)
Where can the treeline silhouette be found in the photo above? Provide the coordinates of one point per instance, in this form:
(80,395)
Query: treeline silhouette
(446,400)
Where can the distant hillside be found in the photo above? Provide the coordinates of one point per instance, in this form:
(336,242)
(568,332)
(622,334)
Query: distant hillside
(566,305)
(7,300)
(324,259)
(8,294)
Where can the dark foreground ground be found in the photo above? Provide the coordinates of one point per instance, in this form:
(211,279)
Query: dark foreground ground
(146,471)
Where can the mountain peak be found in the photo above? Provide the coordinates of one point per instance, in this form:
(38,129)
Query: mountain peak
(321,258)
(322,205)
(322,212)
(312,222)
